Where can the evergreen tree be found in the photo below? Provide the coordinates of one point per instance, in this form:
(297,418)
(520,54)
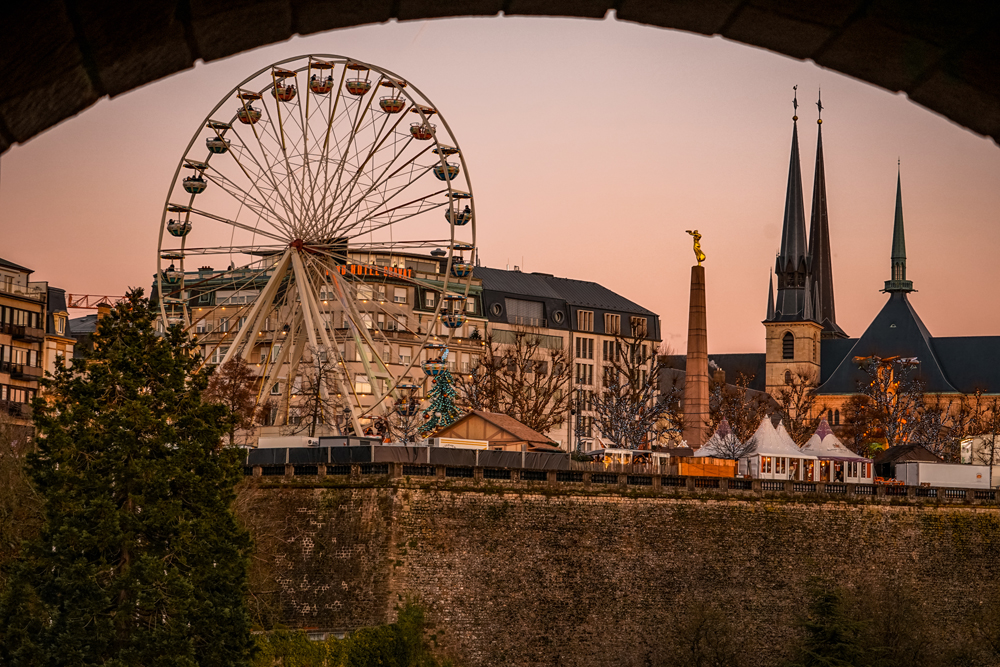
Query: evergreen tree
(442,410)
(832,635)
(140,560)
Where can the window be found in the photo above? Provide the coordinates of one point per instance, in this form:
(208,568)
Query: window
(638,325)
(224,324)
(470,304)
(399,295)
(788,377)
(200,327)
(275,389)
(585,320)
(585,348)
(612,324)
(242,322)
(366,319)
(612,350)
(361,384)
(836,417)
(585,374)
(430,298)
(525,313)
(788,346)
(60,325)
(218,355)
(405,355)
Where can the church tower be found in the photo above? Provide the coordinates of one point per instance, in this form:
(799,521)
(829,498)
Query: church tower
(793,332)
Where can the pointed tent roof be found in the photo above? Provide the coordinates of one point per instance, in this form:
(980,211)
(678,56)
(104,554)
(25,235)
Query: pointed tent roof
(826,445)
(770,441)
(819,246)
(710,448)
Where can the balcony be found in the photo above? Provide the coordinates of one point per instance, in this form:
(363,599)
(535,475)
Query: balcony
(16,410)
(24,372)
(34,291)
(29,334)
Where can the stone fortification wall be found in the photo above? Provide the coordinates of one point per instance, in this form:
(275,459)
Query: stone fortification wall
(525,575)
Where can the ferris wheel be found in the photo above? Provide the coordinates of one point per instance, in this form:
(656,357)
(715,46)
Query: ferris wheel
(318,182)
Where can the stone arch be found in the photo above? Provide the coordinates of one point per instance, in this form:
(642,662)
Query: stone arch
(61,57)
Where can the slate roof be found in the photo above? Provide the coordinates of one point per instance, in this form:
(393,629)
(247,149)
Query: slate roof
(972,363)
(544,285)
(56,300)
(12,265)
(896,331)
(751,364)
(83,325)
(905,453)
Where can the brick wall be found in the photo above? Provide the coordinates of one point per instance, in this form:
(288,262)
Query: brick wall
(525,576)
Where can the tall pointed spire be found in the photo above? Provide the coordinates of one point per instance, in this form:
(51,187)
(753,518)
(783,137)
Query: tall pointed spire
(898,281)
(819,243)
(770,296)
(792,266)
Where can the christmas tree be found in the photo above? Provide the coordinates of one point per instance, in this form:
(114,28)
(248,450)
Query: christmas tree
(140,560)
(442,410)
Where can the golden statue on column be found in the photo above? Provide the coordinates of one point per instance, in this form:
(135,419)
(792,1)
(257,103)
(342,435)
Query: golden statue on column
(699,255)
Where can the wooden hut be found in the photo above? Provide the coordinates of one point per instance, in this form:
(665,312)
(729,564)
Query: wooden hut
(502,432)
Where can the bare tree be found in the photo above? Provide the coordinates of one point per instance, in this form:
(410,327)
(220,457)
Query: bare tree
(895,398)
(856,431)
(630,411)
(518,376)
(985,434)
(739,405)
(797,403)
(403,421)
(233,385)
(727,445)
(317,400)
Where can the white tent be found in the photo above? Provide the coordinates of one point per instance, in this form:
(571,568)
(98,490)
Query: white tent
(836,462)
(774,455)
(717,445)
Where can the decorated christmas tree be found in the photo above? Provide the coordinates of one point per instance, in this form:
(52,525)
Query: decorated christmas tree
(442,410)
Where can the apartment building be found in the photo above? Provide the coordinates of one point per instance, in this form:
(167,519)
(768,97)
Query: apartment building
(33,323)
(582,317)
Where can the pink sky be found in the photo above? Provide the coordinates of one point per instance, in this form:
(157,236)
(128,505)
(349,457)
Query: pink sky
(592,146)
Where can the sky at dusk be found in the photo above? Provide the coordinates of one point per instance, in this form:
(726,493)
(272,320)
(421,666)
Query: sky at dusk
(591,146)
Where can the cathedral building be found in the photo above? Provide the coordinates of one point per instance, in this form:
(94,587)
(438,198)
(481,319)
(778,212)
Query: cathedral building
(803,339)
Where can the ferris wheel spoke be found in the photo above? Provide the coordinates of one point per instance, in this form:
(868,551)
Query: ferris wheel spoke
(279,134)
(239,225)
(375,147)
(394,220)
(385,200)
(261,208)
(266,171)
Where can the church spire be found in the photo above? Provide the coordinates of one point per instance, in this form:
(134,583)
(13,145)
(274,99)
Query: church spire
(819,242)
(898,281)
(770,296)
(791,266)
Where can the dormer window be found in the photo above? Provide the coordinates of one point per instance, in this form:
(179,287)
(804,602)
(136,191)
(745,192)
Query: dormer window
(60,321)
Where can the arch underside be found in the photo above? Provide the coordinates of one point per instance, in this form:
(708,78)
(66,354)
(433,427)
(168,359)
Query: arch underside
(60,58)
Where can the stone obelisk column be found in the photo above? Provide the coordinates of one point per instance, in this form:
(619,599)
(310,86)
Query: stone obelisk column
(696,376)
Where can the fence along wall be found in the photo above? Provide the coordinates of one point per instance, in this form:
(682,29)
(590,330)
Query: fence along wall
(522,574)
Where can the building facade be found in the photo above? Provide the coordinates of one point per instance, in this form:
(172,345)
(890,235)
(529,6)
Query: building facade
(585,319)
(33,334)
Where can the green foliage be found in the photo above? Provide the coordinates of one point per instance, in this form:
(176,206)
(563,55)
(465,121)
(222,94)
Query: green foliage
(832,635)
(400,644)
(139,560)
(442,410)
